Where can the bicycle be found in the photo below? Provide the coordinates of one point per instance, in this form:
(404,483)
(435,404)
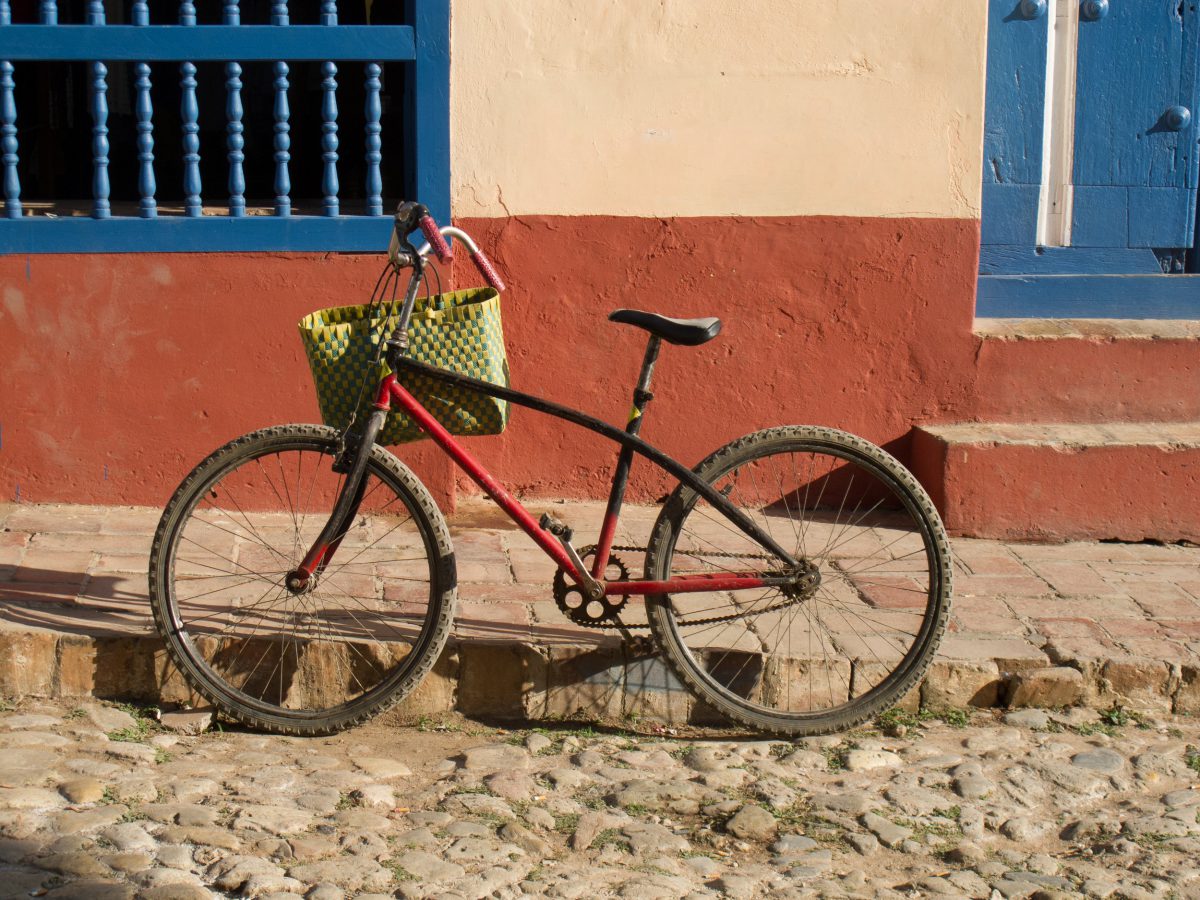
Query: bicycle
(797,580)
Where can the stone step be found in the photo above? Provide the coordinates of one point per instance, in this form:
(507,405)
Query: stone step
(605,680)
(1129,481)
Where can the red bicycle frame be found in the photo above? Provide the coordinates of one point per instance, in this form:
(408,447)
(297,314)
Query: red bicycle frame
(390,390)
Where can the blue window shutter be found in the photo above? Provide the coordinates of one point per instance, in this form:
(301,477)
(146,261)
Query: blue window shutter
(1016,78)
(1135,133)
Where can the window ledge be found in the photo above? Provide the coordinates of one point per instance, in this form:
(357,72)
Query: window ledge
(1109,329)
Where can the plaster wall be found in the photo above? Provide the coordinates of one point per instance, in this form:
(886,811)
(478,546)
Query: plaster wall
(700,108)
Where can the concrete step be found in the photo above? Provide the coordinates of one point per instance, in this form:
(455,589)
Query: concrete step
(1128,481)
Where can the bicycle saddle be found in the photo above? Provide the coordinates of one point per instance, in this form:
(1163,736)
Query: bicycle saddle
(689,332)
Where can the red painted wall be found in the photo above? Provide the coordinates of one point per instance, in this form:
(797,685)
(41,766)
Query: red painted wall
(121,372)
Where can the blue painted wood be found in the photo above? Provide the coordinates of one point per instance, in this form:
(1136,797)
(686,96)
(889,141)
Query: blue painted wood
(217,43)
(1100,217)
(1158,216)
(144,112)
(1008,211)
(329,138)
(176,234)
(428,106)
(329,128)
(1014,116)
(8,141)
(99,110)
(1014,103)
(143,43)
(234,129)
(235,141)
(1026,260)
(374,140)
(187,13)
(1090,296)
(282,143)
(8,128)
(48,12)
(189,112)
(1135,64)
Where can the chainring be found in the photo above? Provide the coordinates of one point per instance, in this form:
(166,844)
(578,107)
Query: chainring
(601,613)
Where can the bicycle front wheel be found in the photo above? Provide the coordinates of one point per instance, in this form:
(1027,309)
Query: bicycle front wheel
(825,657)
(358,638)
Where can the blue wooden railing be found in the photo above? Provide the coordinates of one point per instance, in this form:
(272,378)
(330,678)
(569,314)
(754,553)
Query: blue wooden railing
(423,45)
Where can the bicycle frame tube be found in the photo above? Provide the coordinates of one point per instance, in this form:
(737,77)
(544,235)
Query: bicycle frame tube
(391,390)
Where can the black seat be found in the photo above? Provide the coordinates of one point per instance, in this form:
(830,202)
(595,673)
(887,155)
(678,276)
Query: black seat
(689,332)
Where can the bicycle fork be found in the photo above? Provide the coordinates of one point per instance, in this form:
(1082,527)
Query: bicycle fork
(344,511)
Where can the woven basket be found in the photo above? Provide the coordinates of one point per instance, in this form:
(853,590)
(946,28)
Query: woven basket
(459,331)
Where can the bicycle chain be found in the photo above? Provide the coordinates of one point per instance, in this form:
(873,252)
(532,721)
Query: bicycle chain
(615,621)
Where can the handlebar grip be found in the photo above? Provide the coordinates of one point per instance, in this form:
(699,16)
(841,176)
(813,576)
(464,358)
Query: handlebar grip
(429,228)
(487,270)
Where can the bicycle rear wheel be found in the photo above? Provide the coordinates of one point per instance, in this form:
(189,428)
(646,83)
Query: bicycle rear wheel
(814,660)
(357,639)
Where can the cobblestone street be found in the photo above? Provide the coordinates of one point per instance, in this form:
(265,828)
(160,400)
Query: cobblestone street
(97,803)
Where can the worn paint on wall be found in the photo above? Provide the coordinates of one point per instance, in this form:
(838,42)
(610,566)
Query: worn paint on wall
(146,366)
(697,107)
(120,375)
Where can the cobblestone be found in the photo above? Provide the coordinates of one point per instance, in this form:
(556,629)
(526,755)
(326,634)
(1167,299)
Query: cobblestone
(1063,808)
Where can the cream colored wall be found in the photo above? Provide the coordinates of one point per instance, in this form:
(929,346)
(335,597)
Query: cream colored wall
(704,107)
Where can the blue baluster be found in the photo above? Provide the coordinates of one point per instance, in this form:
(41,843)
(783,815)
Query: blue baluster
(48,12)
(283,184)
(329,12)
(8,130)
(282,113)
(144,113)
(373,112)
(100,186)
(190,113)
(147,208)
(233,122)
(329,138)
(235,141)
(187,13)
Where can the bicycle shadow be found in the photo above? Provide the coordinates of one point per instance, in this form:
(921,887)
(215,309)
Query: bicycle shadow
(95,635)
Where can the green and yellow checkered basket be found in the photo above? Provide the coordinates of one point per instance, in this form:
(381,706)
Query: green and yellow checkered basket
(459,331)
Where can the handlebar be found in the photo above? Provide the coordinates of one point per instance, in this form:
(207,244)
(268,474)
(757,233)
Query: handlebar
(410,216)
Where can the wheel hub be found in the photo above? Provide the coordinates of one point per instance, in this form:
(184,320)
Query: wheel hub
(807,579)
(298,583)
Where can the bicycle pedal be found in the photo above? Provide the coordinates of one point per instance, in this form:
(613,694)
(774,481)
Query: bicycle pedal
(555,527)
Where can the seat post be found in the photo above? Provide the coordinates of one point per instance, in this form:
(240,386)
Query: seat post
(641,399)
(641,394)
